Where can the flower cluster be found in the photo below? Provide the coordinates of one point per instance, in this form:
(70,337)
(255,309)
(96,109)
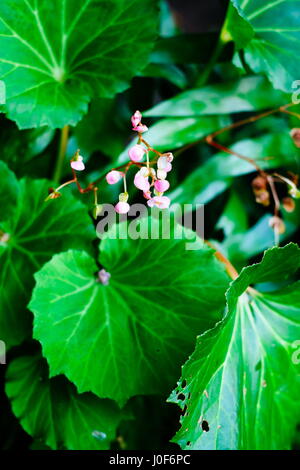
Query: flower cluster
(152,182)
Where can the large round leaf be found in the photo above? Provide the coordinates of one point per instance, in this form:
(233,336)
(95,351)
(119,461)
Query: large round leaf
(52,411)
(55,55)
(240,388)
(128,337)
(275,40)
(31,231)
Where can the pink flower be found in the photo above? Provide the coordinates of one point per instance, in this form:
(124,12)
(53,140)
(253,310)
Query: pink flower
(136,153)
(147,194)
(161,185)
(78,164)
(161,174)
(122,207)
(168,167)
(162,163)
(162,202)
(104,277)
(136,118)
(141,182)
(169,156)
(140,128)
(114,176)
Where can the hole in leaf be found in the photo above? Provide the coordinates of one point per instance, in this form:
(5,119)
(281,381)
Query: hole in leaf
(183,383)
(181,396)
(205,426)
(258,366)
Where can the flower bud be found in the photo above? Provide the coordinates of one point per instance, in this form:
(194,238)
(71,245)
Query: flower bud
(262,197)
(136,118)
(144,171)
(53,195)
(78,164)
(147,194)
(162,163)
(136,153)
(161,185)
(277,224)
(141,182)
(97,210)
(295,135)
(104,277)
(294,192)
(122,207)
(169,156)
(168,167)
(259,182)
(162,202)
(114,176)
(288,204)
(161,174)
(140,128)
(123,197)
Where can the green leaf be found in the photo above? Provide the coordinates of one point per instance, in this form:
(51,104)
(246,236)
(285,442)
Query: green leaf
(275,43)
(247,94)
(32,232)
(168,71)
(51,410)
(217,173)
(94,131)
(234,218)
(133,333)
(55,56)
(2,93)
(237,28)
(9,191)
(240,388)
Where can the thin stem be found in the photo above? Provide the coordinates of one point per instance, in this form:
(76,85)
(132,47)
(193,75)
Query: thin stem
(223,39)
(61,154)
(276,207)
(275,195)
(95,195)
(230,269)
(291,113)
(202,80)
(65,184)
(150,149)
(210,138)
(251,119)
(231,152)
